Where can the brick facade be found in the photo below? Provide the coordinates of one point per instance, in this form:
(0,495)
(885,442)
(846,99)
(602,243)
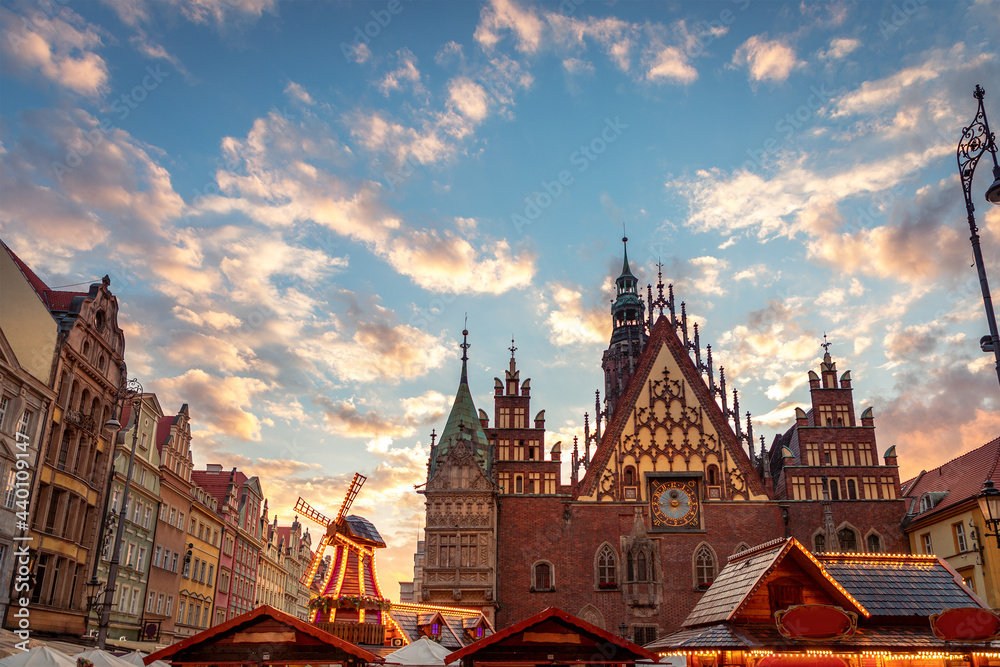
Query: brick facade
(674,487)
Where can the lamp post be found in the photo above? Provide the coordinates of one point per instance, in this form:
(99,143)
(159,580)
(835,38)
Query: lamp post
(976,140)
(133,392)
(989,505)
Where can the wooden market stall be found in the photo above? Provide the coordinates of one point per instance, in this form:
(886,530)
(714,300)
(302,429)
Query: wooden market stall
(551,637)
(264,636)
(778,605)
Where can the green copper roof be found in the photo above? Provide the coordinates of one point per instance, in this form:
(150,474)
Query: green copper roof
(463,424)
(625,269)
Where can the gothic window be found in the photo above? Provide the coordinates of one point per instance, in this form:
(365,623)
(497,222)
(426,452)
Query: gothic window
(713,476)
(834,487)
(607,575)
(848,539)
(740,548)
(640,567)
(874,543)
(629,476)
(704,567)
(820,543)
(518,484)
(852,490)
(542,578)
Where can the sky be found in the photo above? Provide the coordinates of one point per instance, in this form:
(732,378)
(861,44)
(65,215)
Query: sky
(302,204)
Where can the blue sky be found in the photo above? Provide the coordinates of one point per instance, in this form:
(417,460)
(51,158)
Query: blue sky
(299,203)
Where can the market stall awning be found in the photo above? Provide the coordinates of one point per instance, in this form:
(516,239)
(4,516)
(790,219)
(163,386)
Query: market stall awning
(551,636)
(264,636)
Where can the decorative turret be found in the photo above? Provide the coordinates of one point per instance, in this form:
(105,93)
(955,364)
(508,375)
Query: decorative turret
(464,422)
(628,335)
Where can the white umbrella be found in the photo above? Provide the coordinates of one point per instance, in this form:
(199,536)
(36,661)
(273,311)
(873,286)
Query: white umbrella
(40,656)
(421,652)
(103,658)
(136,659)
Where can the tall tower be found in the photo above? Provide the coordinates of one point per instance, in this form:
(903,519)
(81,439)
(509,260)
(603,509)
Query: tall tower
(628,335)
(460,529)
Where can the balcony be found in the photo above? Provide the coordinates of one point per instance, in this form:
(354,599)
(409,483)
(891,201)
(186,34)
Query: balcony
(356,633)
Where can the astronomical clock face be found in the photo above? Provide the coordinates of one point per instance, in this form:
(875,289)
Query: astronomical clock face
(675,504)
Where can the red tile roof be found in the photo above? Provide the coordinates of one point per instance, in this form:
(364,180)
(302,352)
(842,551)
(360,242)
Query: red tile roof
(54,300)
(961,478)
(217,483)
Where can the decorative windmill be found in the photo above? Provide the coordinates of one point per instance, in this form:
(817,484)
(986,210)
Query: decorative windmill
(349,591)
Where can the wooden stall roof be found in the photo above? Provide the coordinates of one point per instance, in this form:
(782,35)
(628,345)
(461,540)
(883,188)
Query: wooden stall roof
(247,638)
(555,637)
(747,570)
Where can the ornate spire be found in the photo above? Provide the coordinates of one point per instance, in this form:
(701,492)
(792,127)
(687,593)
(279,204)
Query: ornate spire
(465,353)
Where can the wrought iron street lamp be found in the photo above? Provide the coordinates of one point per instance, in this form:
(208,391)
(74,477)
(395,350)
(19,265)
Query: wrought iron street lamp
(133,393)
(623,630)
(976,140)
(989,505)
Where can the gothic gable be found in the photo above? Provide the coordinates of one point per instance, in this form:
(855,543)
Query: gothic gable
(459,470)
(668,420)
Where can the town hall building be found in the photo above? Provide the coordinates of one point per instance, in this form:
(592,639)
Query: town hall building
(669,484)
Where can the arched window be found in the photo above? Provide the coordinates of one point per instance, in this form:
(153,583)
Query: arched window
(848,539)
(629,476)
(607,574)
(704,567)
(874,544)
(630,567)
(543,577)
(834,489)
(820,543)
(852,489)
(713,476)
(740,548)
(640,567)
(518,484)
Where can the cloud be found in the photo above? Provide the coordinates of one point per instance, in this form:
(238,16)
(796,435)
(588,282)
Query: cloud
(72,183)
(503,15)
(297,92)
(405,72)
(766,60)
(222,404)
(346,418)
(60,47)
(278,178)
(469,98)
(222,12)
(664,51)
(671,64)
(572,322)
(840,47)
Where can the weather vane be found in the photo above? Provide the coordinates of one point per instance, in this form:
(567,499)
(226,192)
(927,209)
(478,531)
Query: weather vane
(825,344)
(512,348)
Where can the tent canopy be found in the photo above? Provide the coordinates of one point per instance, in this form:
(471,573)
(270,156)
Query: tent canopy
(40,656)
(421,652)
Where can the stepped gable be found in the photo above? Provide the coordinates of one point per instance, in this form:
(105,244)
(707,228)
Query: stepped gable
(664,333)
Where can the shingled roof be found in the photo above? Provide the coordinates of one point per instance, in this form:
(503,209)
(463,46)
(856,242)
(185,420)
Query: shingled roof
(747,569)
(961,478)
(920,585)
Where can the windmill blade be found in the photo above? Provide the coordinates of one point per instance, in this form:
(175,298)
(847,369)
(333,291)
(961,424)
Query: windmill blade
(307,578)
(308,511)
(352,492)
